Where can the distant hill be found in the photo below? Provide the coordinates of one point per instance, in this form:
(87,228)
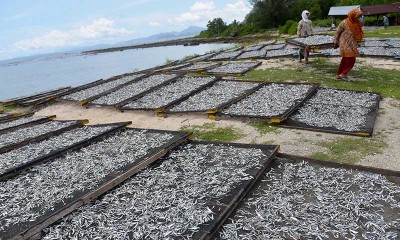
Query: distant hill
(188,32)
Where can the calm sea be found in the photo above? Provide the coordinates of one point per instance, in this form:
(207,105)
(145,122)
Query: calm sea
(31,75)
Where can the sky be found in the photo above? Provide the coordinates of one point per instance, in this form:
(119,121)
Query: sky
(29,27)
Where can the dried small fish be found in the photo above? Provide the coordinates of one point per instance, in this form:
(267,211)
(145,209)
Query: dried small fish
(38,191)
(22,134)
(269,101)
(169,93)
(304,201)
(133,89)
(168,201)
(221,92)
(102,87)
(34,150)
(234,67)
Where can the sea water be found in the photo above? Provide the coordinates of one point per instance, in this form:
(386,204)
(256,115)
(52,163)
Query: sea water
(30,75)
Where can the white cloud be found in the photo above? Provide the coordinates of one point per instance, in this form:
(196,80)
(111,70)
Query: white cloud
(203,11)
(154,24)
(99,29)
(202,6)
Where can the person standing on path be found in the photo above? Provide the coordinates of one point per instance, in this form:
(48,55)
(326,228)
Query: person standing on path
(385,21)
(348,33)
(304,29)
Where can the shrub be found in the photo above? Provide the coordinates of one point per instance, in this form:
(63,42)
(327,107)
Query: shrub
(323,23)
(293,29)
(285,28)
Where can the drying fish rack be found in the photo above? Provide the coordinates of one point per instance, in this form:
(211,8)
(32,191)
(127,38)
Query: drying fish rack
(161,111)
(365,132)
(13,117)
(238,74)
(313,48)
(381,171)
(230,202)
(31,123)
(99,82)
(88,103)
(37,99)
(273,119)
(207,230)
(11,172)
(195,70)
(212,113)
(392,176)
(33,229)
(41,137)
(216,58)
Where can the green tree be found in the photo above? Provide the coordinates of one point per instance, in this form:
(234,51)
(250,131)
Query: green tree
(312,6)
(216,26)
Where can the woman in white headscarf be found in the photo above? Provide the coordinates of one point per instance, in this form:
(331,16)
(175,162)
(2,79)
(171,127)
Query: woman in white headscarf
(304,29)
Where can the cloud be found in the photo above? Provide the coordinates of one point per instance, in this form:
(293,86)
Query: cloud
(154,24)
(99,29)
(203,11)
(203,6)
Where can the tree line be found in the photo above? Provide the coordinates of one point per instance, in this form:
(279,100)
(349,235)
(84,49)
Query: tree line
(269,14)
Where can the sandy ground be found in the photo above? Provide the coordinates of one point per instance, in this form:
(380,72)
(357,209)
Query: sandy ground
(292,141)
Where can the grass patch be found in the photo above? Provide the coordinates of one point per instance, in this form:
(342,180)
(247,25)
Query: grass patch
(187,57)
(384,81)
(168,61)
(264,127)
(348,150)
(209,132)
(391,31)
(7,108)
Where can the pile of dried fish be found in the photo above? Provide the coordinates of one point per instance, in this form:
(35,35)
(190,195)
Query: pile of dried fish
(19,121)
(133,89)
(286,51)
(201,58)
(274,46)
(339,109)
(377,51)
(375,43)
(345,118)
(269,42)
(45,188)
(25,133)
(221,92)
(234,67)
(169,93)
(252,48)
(345,98)
(253,54)
(394,43)
(170,201)
(26,153)
(199,65)
(269,101)
(174,67)
(227,55)
(4,115)
(314,40)
(95,90)
(301,201)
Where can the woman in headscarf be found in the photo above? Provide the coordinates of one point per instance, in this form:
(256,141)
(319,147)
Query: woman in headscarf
(304,29)
(348,33)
